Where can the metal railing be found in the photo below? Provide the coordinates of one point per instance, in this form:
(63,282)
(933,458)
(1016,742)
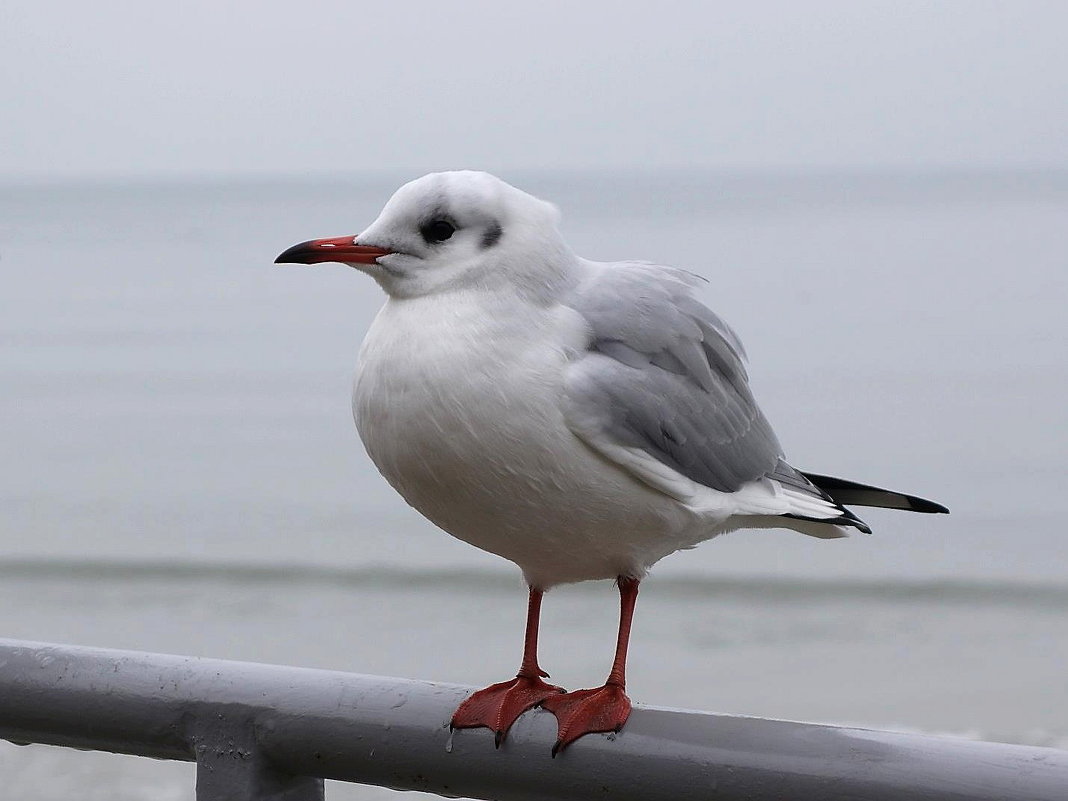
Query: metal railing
(259,732)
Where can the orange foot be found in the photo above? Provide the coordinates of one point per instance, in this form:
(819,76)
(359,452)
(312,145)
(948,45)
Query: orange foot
(582,712)
(498,706)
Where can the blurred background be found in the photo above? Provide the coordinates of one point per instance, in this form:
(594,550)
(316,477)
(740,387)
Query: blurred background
(877,192)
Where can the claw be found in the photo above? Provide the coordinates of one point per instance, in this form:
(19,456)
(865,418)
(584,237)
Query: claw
(499,706)
(603,709)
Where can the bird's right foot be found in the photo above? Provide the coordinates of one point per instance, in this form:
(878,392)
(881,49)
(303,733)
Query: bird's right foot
(498,706)
(602,709)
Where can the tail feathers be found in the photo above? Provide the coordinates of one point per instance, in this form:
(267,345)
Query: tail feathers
(845,518)
(851,493)
(812,503)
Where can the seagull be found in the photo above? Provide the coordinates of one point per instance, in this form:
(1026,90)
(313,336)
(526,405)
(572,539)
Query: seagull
(582,419)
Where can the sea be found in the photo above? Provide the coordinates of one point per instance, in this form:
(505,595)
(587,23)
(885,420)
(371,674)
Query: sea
(179,471)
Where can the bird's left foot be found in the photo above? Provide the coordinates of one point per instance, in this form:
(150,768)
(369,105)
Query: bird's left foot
(603,709)
(497,707)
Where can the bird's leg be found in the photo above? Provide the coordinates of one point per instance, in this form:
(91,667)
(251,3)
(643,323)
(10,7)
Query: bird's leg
(498,706)
(606,708)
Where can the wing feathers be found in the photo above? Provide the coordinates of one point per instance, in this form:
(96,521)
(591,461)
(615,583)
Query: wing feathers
(662,391)
(850,492)
(664,374)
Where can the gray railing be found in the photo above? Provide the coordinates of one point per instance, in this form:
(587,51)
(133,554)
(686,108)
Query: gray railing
(259,732)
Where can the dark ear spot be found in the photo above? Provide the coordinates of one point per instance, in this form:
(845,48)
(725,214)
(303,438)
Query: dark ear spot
(492,235)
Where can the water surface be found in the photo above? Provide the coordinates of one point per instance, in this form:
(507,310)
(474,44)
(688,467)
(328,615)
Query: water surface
(179,471)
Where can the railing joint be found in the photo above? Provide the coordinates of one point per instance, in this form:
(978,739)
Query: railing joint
(232,766)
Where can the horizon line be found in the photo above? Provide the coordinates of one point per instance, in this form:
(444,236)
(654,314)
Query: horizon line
(679,172)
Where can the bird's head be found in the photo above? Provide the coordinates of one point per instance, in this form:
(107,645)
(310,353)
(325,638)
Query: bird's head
(451,230)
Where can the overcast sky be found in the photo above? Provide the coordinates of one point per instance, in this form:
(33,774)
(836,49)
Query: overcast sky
(202,86)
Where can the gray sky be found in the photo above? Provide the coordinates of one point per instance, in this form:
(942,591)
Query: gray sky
(126,87)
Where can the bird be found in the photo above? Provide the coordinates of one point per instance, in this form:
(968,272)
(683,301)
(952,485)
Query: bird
(581,419)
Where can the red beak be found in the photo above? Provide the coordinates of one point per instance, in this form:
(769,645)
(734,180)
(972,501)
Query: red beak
(341,248)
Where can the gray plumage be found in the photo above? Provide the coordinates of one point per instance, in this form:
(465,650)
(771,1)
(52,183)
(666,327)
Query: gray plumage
(665,374)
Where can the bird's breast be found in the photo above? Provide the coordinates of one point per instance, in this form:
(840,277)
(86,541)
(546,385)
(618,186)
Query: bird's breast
(460,408)
(458,403)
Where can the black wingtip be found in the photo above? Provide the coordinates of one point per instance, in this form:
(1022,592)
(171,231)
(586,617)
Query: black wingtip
(857,523)
(926,506)
(852,493)
(846,518)
(850,519)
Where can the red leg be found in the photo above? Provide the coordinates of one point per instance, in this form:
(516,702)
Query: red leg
(604,708)
(497,707)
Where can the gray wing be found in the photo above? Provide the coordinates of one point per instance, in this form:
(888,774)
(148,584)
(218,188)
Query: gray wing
(663,376)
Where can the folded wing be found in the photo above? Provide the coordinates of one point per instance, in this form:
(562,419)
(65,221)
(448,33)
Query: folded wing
(662,391)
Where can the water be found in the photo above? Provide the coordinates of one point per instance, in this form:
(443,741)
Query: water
(179,471)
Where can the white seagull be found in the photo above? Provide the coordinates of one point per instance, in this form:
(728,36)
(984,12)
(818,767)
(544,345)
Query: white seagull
(581,419)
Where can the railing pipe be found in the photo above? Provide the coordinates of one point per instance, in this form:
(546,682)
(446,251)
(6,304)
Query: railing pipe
(262,732)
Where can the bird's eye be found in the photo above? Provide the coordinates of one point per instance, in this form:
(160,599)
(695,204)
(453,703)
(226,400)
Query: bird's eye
(437,230)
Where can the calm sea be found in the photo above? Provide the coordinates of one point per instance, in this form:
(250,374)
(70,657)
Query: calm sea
(179,471)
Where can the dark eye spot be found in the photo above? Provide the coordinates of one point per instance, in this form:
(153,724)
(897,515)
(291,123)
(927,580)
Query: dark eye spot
(437,230)
(492,235)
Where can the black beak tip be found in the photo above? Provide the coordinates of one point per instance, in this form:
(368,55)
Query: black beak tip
(298,254)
